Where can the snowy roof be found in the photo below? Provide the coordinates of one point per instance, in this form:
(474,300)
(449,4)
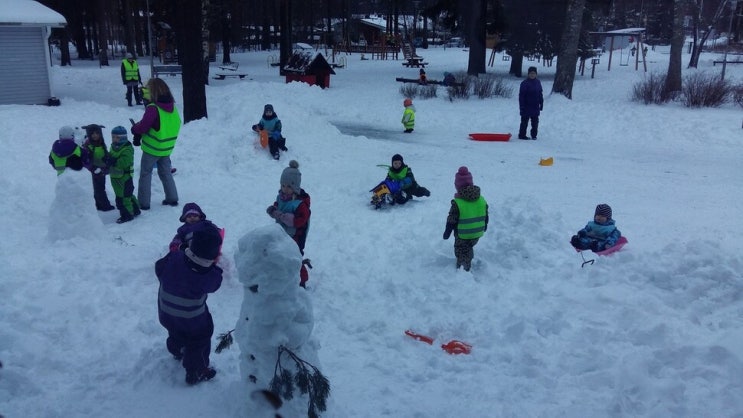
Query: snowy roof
(28,13)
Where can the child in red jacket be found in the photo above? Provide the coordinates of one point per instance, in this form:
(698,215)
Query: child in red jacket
(291,210)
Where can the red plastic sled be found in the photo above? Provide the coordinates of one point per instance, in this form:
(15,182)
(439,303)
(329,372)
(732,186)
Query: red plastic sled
(490,137)
(618,246)
(419,337)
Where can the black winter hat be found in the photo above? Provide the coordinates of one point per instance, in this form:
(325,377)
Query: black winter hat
(532,70)
(89,129)
(205,243)
(604,210)
(397,157)
(268,107)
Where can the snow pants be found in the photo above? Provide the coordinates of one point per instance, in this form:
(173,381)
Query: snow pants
(464,251)
(132,87)
(525,123)
(126,203)
(193,344)
(99,191)
(144,189)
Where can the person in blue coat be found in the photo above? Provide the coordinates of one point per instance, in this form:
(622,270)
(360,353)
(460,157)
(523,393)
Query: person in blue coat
(531,102)
(599,234)
(270,122)
(186,278)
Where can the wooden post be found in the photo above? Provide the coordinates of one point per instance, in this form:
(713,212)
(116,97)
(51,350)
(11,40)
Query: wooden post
(611,51)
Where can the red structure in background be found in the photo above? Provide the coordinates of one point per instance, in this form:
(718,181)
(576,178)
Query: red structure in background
(315,71)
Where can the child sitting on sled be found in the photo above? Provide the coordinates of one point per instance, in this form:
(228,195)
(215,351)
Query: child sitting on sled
(401,182)
(271,123)
(599,234)
(193,218)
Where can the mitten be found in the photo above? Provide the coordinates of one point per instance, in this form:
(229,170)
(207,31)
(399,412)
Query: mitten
(286,218)
(582,233)
(447,231)
(256,128)
(109,160)
(137,140)
(270,210)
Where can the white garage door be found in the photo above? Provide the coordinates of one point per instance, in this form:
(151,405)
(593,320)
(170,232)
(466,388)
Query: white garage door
(23,74)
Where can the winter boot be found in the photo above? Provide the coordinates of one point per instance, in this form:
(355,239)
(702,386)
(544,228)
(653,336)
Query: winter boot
(282,144)
(124,218)
(193,378)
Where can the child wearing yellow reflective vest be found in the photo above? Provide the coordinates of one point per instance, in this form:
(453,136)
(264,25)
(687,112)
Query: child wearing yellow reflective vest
(468,218)
(96,146)
(66,153)
(408,115)
(405,186)
(120,162)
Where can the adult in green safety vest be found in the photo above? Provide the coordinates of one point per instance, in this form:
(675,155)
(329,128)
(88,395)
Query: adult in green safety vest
(156,133)
(131,78)
(468,218)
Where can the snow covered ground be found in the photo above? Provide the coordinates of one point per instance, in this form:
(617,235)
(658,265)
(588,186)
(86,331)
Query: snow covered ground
(654,330)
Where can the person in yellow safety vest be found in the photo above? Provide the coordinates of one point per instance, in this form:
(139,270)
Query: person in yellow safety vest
(131,78)
(468,218)
(157,133)
(67,154)
(408,115)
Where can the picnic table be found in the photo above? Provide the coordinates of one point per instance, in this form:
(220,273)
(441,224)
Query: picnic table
(415,62)
(229,69)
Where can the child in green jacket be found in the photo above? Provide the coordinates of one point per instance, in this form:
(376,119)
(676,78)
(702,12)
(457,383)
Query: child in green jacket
(120,162)
(408,115)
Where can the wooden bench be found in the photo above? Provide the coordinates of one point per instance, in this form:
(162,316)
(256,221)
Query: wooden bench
(222,76)
(436,82)
(415,62)
(166,69)
(726,62)
(230,66)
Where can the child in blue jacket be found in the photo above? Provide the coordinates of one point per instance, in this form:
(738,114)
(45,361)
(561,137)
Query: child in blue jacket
(599,234)
(270,122)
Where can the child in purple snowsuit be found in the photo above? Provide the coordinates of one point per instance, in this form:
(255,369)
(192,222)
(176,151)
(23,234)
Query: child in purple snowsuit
(192,218)
(531,102)
(186,278)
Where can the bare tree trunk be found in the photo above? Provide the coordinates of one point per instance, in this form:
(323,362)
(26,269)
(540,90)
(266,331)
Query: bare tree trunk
(475,17)
(673,78)
(126,11)
(102,24)
(517,61)
(698,18)
(567,57)
(191,53)
(285,46)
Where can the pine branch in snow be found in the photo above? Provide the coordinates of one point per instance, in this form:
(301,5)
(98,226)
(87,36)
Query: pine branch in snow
(225,341)
(308,379)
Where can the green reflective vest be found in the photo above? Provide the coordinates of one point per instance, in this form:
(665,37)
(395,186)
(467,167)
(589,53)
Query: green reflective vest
(131,70)
(471,218)
(408,118)
(60,163)
(161,143)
